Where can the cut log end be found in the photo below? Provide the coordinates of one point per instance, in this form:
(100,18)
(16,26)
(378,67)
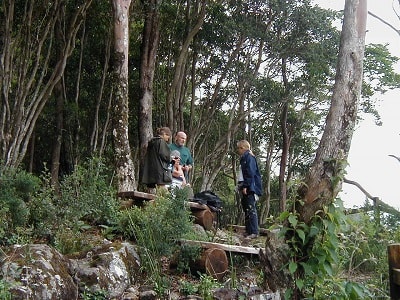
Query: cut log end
(204,218)
(214,262)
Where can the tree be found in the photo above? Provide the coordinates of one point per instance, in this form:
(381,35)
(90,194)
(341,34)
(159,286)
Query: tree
(124,165)
(326,172)
(28,70)
(149,46)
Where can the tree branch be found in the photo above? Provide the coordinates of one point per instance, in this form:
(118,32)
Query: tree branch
(384,22)
(377,202)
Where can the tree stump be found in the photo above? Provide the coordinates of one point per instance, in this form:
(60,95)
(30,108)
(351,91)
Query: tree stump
(213,262)
(204,218)
(394,266)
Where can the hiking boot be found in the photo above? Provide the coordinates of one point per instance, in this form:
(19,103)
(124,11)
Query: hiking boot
(252,236)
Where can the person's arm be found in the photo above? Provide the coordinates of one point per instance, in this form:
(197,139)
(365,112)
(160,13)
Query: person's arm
(164,151)
(248,169)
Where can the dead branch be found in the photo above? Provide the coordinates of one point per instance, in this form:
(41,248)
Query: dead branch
(385,22)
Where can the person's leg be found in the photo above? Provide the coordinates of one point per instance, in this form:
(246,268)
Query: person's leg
(245,207)
(252,214)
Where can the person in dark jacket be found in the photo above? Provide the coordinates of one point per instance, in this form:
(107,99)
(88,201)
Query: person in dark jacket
(157,162)
(250,187)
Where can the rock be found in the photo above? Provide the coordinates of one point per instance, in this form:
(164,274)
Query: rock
(37,271)
(109,268)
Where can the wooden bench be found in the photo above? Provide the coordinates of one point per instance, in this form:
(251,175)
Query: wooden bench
(214,260)
(130,198)
(202,213)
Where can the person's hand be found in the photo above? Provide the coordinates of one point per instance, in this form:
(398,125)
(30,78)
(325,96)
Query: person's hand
(244,191)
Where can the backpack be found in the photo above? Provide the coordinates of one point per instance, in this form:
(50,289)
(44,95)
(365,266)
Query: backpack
(210,199)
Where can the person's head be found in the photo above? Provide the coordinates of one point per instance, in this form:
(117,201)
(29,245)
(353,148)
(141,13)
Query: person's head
(243,146)
(175,156)
(180,138)
(164,133)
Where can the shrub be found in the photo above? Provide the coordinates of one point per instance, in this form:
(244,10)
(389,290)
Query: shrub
(156,227)
(16,190)
(87,195)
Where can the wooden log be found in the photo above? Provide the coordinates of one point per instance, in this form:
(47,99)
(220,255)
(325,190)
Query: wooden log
(195,205)
(394,266)
(396,276)
(204,218)
(213,262)
(224,247)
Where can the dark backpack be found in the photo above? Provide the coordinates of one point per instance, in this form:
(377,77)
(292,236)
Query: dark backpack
(210,199)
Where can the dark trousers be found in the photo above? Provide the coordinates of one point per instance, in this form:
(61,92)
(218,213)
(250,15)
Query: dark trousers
(250,213)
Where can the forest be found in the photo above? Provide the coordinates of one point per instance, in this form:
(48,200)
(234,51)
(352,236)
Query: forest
(84,85)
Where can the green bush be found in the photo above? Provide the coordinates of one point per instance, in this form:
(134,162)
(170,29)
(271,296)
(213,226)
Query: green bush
(87,195)
(156,228)
(5,293)
(16,191)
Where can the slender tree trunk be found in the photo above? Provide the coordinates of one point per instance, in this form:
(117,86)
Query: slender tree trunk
(36,72)
(286,131)
(59,116)
(151,37)
(55,159)
(124,165)
(177,86)
(95,138)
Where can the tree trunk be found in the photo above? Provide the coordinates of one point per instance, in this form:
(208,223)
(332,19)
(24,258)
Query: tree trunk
(124,165)
(174,105)
(326,174)
(34,72)
(151,37)
(55,159)
(329,163)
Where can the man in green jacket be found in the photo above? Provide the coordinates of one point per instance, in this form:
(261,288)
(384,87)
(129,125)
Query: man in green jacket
(186,158)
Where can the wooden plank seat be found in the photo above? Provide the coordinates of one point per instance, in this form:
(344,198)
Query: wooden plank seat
(225,247)
(130,198)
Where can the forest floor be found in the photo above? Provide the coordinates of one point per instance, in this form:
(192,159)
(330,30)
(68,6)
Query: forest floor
(243,279)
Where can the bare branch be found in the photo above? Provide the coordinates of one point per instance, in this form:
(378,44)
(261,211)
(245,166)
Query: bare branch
(384,22)
(396,157)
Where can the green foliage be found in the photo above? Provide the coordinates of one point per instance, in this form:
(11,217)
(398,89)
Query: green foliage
(43,215)
(315,263)
(31,209)
(87,195)
(5,293)
(188,288)
(187,254)
(156,228)
(71,240)
(98,295)
(17,188)
(206,285)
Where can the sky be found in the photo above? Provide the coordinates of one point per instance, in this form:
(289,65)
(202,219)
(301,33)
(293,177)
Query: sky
(369,162)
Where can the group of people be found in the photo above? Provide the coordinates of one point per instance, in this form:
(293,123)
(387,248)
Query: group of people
(168,164)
